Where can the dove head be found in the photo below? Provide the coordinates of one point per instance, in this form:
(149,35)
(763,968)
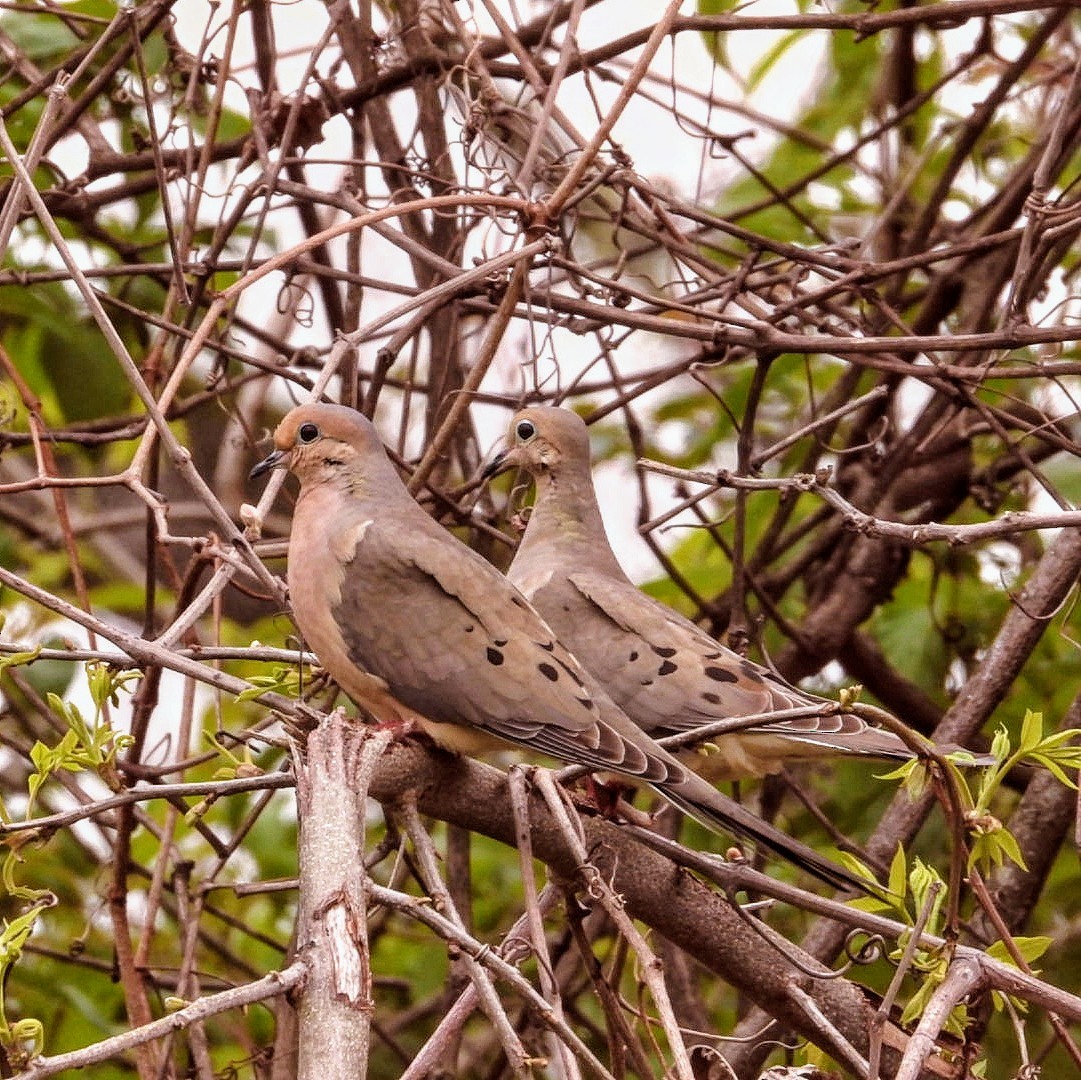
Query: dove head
(544,441)
(321,443)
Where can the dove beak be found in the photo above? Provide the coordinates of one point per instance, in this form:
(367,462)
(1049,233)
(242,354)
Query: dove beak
(271,461)
(501,463)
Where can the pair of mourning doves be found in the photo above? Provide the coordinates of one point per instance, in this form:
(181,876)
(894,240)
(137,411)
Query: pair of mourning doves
(667,674)
(411,623)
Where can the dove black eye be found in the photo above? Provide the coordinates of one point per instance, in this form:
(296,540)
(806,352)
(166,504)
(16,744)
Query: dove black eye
(525,430)
(308,433)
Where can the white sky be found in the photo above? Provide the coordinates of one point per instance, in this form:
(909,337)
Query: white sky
(657,148)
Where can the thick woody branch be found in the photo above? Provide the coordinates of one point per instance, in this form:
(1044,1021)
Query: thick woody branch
(653,889)
(333,770)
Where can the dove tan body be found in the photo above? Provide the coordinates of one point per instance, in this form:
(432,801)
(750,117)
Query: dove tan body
(314,595)
(413,624)
(665,672)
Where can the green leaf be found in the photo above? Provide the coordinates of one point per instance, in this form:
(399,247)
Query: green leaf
(106,682)
(232,125)
(772,55)
(924,880)
(71,714)
(39,39)
(900,773)
(715,42)
(28,1035)
(898,881)
(919,1001)
(283,681)
(919,776)
(1000,743)
(1031,730)
(1052,763)
(1057,738)
(1030,948)
(19,658)
(992,848)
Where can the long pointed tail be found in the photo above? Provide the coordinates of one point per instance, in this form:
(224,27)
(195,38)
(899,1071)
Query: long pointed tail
(717,812)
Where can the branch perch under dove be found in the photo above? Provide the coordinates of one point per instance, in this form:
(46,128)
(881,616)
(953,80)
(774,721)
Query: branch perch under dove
(412,624)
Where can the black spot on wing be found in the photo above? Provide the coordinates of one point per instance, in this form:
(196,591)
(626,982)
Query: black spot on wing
(548,671)
(667,668)
(662,651)
(711,697)
(721,674)
(633,656)
(495,656)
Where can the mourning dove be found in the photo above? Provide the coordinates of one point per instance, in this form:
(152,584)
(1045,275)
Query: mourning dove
(412,623)
(666,673)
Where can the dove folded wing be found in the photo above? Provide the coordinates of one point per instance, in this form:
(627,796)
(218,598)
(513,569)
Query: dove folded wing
(551,705)
(460,675)
(676,673)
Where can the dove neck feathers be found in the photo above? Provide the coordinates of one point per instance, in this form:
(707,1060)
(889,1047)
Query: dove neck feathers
(566,517)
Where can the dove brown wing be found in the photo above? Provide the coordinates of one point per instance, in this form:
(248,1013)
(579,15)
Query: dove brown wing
(670,676)
(459,644)
(450,675)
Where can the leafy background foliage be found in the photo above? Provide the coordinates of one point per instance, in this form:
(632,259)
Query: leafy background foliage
(920,193)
